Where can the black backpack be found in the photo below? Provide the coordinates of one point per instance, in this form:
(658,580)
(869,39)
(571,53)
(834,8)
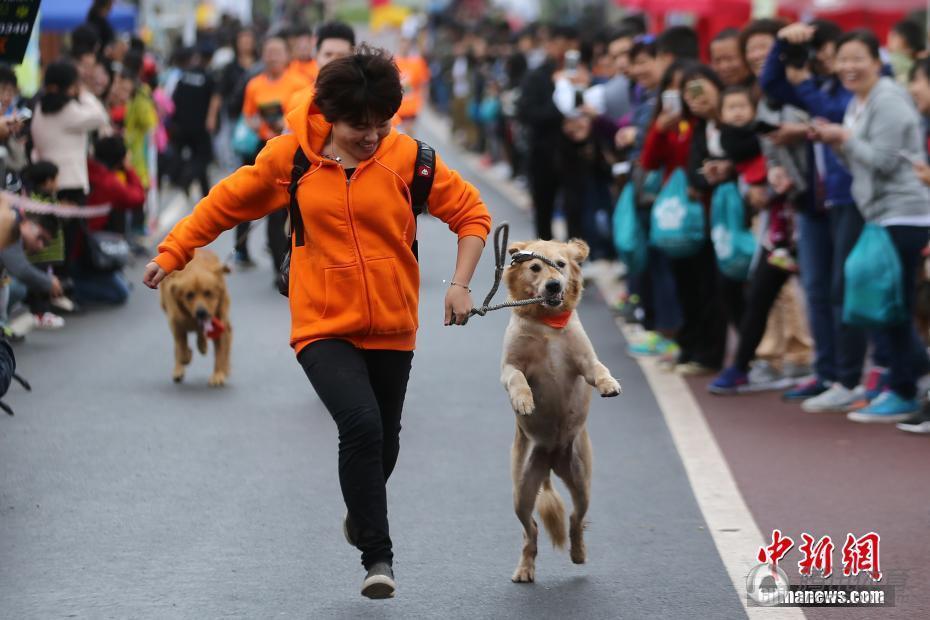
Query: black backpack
(424,170)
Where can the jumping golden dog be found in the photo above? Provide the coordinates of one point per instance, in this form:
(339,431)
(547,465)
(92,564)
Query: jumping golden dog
(548,369)
(195,299)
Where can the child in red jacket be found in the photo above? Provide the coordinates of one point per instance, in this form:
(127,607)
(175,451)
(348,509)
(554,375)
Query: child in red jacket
(113,182)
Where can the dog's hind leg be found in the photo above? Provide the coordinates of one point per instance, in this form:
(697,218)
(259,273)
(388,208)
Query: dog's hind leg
(530,467)
(574,468)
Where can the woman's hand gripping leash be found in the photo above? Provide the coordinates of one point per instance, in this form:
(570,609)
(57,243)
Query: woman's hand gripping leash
(460,294)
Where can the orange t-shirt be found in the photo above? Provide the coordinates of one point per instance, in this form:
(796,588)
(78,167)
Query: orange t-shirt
(306,69)
(270,99)
(414,76)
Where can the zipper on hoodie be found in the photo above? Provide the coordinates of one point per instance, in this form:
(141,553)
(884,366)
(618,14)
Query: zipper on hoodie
(358,248)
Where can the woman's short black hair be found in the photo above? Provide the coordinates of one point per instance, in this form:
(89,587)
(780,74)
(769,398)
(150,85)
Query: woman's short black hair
(361,89)
(865,37)
(59,77)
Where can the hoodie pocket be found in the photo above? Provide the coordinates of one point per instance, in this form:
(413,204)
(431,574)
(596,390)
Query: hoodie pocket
(390,312)
(342,288)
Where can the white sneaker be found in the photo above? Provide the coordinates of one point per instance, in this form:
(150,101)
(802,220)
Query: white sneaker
(837,398)
(49,320)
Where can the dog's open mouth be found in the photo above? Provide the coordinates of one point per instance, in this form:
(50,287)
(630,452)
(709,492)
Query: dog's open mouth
(554,301)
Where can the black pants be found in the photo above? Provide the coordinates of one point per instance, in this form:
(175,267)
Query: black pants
(544,187)
(764,287)
(194,150)
(905,362)
(364,392)
(703,333)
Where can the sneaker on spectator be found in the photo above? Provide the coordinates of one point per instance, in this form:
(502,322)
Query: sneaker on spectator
(652,344)
(728,382)
(21,324)
(64,304)
(782,259)
(808,389)
(48,320)
(763,376)
(875,382)
(918,424)
(837,398)
(796,371)
(694,369)
(888,407)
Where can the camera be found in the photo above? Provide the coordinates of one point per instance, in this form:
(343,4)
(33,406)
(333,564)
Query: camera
(797,56)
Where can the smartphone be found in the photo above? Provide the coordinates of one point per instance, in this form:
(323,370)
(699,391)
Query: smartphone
(694,88)
(572,58)
(671,102)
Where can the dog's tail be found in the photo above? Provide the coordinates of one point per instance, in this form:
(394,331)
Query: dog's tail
(552,512)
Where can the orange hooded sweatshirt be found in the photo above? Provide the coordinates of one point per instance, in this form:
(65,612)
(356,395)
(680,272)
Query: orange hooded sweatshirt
(355,278)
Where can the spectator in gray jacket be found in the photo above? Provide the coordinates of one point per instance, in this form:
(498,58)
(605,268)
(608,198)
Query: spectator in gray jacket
(879,139)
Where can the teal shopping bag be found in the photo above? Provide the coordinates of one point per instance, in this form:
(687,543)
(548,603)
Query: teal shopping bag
(244,139)
(874,291)
(734,243)
(629,236)
(677,222)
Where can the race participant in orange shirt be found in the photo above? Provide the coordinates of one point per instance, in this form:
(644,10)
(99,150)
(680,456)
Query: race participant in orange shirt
(333,40)
(267,100)
(414,75)
(300,41)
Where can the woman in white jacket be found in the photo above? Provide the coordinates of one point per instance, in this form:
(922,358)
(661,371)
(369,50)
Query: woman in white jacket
(64,118)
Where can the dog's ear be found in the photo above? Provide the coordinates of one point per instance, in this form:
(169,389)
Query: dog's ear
(223,268)
(517,246)
(579,250)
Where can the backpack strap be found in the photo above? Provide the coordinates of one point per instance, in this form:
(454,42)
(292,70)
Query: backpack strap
(424,171)
(301,165)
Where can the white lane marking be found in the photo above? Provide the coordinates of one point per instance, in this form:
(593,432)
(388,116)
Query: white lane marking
(731,525)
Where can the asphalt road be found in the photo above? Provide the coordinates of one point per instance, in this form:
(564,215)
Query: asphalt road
(124,495)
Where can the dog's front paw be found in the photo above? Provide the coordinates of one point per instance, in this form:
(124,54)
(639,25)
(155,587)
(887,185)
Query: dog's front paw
(522,402)
(608,386)
(524,574)
(218,379)
(178,375)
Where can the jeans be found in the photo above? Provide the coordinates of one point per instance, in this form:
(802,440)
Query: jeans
(364,392)
(815,258)
(99,287)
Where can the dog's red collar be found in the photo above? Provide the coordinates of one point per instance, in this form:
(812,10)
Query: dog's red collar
(558,321)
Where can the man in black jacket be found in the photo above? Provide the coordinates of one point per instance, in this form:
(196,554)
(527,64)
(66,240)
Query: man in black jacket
(543,122)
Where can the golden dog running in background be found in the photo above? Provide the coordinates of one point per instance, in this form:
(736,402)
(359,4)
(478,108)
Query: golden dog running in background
(196,300)
(548,369)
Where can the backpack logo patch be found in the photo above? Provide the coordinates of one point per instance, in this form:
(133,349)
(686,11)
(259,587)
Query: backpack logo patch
(424,171)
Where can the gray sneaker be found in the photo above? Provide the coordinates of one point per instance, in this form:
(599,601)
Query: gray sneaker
(763,377)
(379,583)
